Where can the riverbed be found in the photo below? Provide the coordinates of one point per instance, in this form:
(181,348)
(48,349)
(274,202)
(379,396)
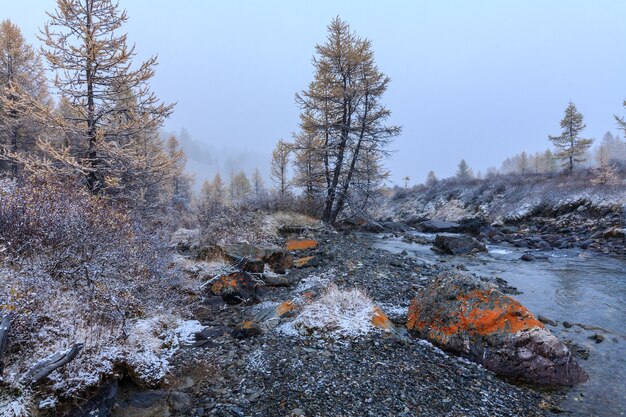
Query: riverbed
(583,292)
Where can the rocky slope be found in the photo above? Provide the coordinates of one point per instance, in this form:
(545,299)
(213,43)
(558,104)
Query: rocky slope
(529,212)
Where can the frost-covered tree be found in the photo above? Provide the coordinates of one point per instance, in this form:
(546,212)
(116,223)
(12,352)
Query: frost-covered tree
(463,172)
(523,163)
(280,166)
(431,179)
(22,80)
(181,182)
(115,113)
(240,186)
(343,108)
(309,164)
(571,147)
(257,183)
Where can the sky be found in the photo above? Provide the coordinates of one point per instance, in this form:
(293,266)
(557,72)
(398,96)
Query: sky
(479,80)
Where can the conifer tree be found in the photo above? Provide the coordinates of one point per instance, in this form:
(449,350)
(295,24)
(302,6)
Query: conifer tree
(342,109)
(21,77)
(431,179)
(463,171)
(280,165)
(257,183)
(112,102)
(570,146)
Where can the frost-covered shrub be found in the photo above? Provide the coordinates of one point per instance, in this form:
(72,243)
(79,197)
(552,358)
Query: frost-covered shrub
(337,312)
(232,223)
(75,268)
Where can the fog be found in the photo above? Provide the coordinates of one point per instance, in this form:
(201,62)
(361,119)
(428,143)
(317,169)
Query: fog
(478,80)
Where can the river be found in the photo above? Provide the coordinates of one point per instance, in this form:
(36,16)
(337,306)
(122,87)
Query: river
(584,289)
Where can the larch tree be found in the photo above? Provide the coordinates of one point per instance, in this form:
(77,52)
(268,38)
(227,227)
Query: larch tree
(181,182)
(571,147)
(308,166)
(258,184)
(240,186)
(22,80)
(342,107)
(115,113)
(280,167)
(463,171)
(431,179)
(523,163)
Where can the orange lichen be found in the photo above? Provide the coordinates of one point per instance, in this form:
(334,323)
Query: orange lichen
(380,320)
(285,308)
(223,282)
(301,262)
(301,244)
(247,324)
(477,312)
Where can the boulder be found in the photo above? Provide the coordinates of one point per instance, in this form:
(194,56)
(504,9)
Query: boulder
(457,245)
(472,225)
(437,226)
(265,320)
(236,288)
(246,257)
(466,316)
(300,244)
(250,258)
(279,260)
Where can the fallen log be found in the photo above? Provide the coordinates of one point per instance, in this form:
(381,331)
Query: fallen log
(46,366)
(5,325)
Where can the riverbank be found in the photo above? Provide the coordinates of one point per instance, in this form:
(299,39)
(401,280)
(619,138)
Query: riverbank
(281,372)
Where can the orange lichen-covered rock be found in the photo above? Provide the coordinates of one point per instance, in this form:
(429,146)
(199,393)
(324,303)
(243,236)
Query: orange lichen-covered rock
(381,321)
(236,288)
(464,315)
(307,261)
(301,244)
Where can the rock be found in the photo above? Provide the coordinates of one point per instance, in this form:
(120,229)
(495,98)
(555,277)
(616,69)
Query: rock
(395,227)
(307,261)
(437,226)
(614,232)
(276,281)
(567,324)
(236,288)
(185,240)
(457,245)
(279,260)
(250,258)
(265,320)
(546,320)
(472,225)
(530,257)
(468,317)
(179,401)
(244,256)
(246,329)
(597,337)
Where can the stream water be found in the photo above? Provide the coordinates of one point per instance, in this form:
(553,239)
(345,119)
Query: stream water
(582,288)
